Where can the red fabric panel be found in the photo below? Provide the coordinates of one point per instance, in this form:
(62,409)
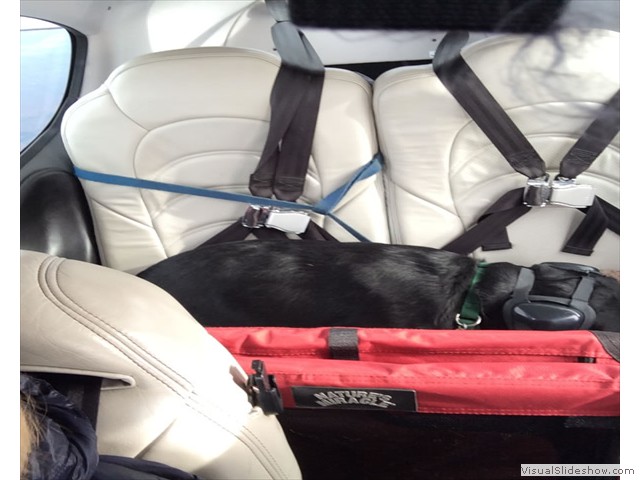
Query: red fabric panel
(455,372)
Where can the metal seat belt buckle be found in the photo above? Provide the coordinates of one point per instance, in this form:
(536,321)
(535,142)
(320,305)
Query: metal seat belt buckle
(568,193)
(288,221)
(537,192)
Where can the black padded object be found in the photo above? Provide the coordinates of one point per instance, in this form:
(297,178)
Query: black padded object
(531,16)
(55,218)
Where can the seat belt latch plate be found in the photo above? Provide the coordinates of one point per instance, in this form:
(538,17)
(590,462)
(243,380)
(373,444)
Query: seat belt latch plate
(288,221)
(567,193)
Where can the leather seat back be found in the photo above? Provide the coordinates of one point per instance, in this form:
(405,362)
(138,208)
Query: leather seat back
(199,117)
(442,170)
(170,392)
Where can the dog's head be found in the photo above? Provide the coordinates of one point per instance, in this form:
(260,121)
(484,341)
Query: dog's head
(560,295)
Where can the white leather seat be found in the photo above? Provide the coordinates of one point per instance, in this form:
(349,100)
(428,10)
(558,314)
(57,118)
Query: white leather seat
(171,393)
(199,117)
(443,172)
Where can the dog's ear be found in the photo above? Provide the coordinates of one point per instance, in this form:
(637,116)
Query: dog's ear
(494,289)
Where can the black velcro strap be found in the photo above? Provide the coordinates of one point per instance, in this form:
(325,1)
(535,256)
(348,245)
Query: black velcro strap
(343,344)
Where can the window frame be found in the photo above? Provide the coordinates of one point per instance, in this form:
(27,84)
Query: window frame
(79,47)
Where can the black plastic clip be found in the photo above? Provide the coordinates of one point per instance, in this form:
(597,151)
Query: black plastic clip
(263,391)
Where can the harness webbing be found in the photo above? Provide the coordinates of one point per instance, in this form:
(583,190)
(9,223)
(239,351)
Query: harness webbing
(490,230)
(295,102)
(594,140)
(462,82)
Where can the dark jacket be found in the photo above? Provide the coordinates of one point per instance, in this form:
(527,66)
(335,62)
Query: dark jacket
(67,443)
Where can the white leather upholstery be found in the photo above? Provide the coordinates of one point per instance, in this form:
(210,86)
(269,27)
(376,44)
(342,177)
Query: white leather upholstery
(171,392)
(443,172)
(199,117)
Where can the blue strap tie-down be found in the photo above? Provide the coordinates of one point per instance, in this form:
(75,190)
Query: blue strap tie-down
(323,207)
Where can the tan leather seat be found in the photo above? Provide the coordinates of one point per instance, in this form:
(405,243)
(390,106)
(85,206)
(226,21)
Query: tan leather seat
(170,392)
(442,170)
(199,117)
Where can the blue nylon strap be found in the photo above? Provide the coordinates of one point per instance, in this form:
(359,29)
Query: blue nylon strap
(328,203)
(183,189)
(323,207)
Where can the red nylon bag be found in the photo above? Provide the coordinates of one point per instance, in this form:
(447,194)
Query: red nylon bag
(532,373)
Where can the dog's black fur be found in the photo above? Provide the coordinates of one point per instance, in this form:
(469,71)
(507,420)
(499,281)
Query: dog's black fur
(316,283)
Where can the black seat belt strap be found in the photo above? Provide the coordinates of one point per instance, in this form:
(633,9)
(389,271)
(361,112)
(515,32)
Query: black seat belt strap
(462,82)
(601,215)
(594,140)
(594,224)
(482,107)
(295,101)
(315,232)
(490,230)
(613,215)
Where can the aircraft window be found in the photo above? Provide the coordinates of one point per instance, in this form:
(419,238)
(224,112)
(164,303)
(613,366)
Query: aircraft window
(45,62)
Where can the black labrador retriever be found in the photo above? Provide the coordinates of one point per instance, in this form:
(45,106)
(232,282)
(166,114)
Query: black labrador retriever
(316,283)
